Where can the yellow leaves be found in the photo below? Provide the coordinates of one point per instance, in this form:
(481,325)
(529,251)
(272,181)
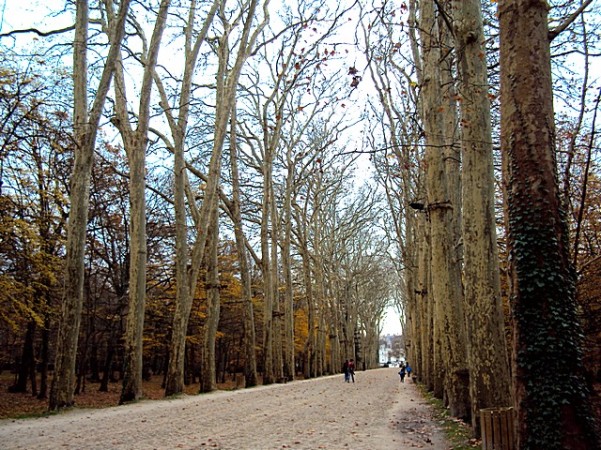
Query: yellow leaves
(199,313)
(16,303)
(301,329)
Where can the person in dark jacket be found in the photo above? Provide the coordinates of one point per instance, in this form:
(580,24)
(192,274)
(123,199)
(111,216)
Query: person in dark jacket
(345,371)
(402,373)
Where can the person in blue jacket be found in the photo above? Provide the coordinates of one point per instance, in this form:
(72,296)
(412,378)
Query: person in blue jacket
(402,373)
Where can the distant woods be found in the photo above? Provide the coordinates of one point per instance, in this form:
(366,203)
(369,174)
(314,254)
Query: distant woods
(205,191)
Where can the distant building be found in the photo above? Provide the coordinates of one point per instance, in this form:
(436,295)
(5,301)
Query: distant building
(390,350)
(384,352)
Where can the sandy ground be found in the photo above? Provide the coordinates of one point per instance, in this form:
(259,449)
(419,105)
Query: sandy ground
(377,412)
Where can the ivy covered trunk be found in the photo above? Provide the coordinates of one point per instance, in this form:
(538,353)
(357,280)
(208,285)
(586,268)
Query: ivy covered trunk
(550,391)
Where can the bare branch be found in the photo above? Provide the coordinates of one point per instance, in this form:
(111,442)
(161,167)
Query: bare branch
(569,20)
(38,32)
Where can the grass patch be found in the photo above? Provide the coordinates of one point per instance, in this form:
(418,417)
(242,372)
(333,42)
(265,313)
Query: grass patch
(457,433)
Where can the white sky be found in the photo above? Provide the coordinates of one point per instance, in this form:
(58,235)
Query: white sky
(391,322)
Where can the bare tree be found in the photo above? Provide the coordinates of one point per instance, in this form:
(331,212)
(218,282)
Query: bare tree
(449,321)
(208,380)
(85,129)
(488,360)
(135,142)
(227,82)
(250,364)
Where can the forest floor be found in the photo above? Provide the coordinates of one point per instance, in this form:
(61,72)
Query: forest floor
(376,412)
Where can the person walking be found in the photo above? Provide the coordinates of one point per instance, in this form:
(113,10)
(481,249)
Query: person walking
(345,371)
(408,369)
(402,373)
(351,369)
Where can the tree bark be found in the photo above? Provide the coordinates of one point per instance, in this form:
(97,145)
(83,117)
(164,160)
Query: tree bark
(135,143)
(208,380)
(27,361)
(85,128)
(551,396)
(267,269)
(488,360)
(426,371)
(44,356)
(227,82)
(250,357)
(286,248)
(448,318)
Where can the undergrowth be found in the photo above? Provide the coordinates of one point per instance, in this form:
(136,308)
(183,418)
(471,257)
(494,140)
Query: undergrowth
(457,433)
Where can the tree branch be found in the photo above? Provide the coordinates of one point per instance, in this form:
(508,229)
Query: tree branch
(38,32)
(566,23)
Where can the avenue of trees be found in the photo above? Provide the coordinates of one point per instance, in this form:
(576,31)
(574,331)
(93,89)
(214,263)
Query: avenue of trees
(194,189)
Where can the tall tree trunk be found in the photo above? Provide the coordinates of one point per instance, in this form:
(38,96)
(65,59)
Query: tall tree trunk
(174,382)
(319,280)
(193,41)
(27,361)
(108,364)
(425,369)
(45,358)
(488,360)
(309,369)
(135,142)
(132,380)
(278,357)
(286,248)
(267,270)
(448,304)
(85,127)
(227,82)
(208,373)
(250,357)
(551,396)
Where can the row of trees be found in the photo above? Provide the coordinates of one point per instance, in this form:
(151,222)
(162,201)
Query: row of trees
(200,209)
(246,252)
(435,66)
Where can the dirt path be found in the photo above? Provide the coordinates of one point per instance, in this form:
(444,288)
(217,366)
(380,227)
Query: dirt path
(375,413)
